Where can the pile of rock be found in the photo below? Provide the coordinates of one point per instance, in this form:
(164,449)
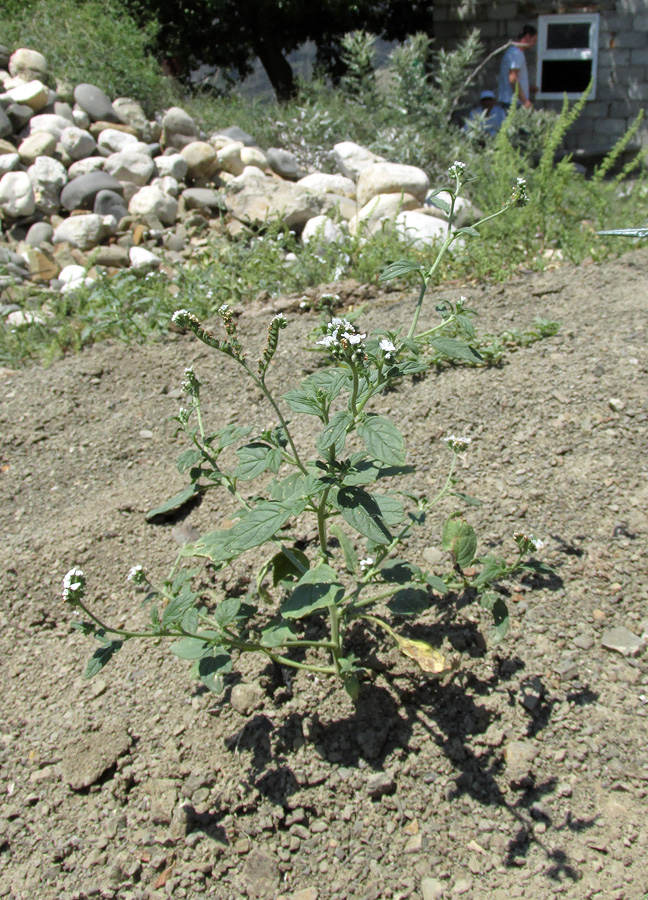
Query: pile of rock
(87,182)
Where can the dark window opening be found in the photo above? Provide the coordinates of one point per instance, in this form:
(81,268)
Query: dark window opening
(565,76)
(568,36)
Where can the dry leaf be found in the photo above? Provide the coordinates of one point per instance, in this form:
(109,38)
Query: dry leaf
(426,657)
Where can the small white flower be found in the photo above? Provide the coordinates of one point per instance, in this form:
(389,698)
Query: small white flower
(73,586)
(329,340)
(303,304)
(458,444)
(527,542)
(136,576)
(223,309)
(387,347)
(354,338)
(180,314)
(278,317)
(366,563)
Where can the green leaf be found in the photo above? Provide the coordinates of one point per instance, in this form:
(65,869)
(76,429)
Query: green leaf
(317,589)
(398,269)
(438,203)
(460,540)
(231,434)
(215,545)
(437,584)
(277,633)
(399,571)
(100,657)
(212,668)
(190,619)
(409,602)
(285,570)
(494,603)
(227,611)
(454,349)
(330,381)
(350,556)
(383,440)
(190,648)
(255,458)
(255,528)
(465,322)
(363,512)
(334,435)
(352,686)
(468,229)
(408,367)
(174,503)
(178,606)
(494,568)
(366,471)
(467,499)
(188,459)
(304,400)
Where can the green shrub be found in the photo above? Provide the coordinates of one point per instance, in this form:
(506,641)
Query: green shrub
(90,41)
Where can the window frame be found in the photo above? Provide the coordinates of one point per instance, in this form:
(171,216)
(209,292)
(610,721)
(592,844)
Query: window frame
(565,55)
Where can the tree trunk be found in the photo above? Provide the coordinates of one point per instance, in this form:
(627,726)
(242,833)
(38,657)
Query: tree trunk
(277,68)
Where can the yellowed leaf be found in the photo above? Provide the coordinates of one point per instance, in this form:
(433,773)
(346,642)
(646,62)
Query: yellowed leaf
(426,657)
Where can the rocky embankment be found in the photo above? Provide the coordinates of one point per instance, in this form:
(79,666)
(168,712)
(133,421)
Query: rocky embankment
(90,184)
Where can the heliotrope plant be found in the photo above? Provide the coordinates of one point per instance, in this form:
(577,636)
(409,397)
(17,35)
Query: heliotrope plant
(304,600)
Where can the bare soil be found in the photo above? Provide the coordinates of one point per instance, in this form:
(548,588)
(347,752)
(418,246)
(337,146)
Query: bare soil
(525,775)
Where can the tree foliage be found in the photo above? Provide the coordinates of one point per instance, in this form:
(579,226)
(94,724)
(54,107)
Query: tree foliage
(229,34)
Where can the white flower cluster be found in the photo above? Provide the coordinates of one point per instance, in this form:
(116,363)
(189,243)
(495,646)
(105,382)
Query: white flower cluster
(457,169)
(278,318)
(387,348)
(223,309)
(458,444)
(74,586)
(520,195)
(191,384)
(527,542)
(366,563)
(342,339)
(180,315)
(136,576)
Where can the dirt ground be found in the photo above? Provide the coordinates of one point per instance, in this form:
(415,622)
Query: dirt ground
(525,775)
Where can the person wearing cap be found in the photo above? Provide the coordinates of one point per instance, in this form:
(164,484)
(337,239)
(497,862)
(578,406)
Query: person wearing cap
(514,74)
(489,111)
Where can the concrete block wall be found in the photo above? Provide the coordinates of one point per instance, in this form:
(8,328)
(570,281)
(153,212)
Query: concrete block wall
(622,70)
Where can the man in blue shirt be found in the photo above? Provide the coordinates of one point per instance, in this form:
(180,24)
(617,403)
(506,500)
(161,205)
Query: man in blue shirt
(514,72)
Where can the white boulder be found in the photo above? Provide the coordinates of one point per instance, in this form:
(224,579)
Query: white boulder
(392,178)
(321,232)
(352,159)
(320,183)
(126,166)
(114,140)
(77,142)
(17,195)
(85,231)
(33,94)
(380,208)
(419,230)
(48,177)
(142,260)
(172,164)
(150,200)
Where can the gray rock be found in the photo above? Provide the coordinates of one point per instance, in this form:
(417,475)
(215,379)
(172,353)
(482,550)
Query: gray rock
(237,134)
(181,822)
(40,144)
(90,756)
(110,203)
(85,231)
(77,142)
(129,112)
(19,115)
(143,261)
(85,166)
(48,178)
(115,141)
(136,168)
(113,256)
(260,875)
(202,198)
(284,163)
(39,233)
(245,698)
(178,128)
(95,103)
(64,110)
(623,641)
(519,756)
(150,200)
(380,784)
(6,127)
(48,122)
(17,195)
(164,796)
(172,164)
(267,199)
(8,162)
(80,193)
(432,889)
(27,64)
